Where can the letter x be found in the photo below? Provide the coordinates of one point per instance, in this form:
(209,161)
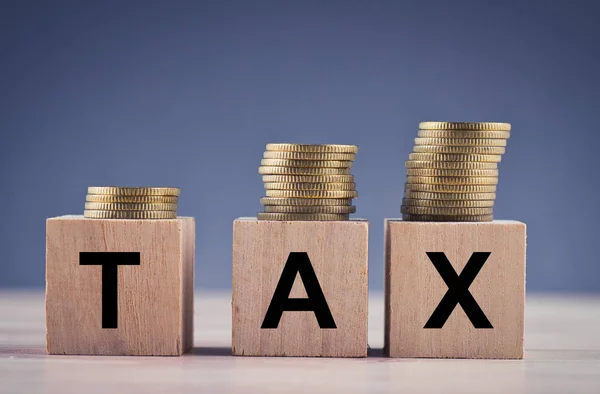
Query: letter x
(458,290)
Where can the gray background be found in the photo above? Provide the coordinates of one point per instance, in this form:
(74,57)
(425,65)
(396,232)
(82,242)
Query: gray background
(187,93)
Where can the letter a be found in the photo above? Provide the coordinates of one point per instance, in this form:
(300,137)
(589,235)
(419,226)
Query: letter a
(298,263)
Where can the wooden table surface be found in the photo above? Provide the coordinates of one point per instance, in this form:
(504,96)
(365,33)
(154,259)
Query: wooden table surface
(562,341)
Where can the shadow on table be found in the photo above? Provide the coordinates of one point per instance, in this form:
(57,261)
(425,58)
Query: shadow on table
(211,351)
(226,352)
(563,354)
(22,351)
(375,352)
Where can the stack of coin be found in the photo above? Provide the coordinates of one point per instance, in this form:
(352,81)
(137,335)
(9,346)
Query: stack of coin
(452,174)
(308,182)
(131,203)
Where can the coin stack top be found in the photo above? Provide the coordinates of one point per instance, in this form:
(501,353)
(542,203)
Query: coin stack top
(131,202)
(453,171)
(308,182)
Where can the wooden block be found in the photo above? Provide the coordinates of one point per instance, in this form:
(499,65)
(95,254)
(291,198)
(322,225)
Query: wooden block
(155,298)
(337,251)
(414,289)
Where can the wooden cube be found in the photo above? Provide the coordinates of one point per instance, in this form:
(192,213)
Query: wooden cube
(454,290)
(300,288)
(146,308)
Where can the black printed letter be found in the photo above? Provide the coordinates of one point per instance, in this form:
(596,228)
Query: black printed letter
(298,262)
(109,262)
(458,290)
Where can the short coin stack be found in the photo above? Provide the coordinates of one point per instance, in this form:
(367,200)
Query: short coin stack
(131,202)
(308,182)
(452,174)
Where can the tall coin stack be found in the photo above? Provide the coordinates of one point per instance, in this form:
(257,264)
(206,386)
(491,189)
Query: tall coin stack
(308,182)
(452,174)
(131,202)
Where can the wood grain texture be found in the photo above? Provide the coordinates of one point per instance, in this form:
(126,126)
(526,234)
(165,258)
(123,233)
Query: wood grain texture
(339,255)
(155,304)
(414,288)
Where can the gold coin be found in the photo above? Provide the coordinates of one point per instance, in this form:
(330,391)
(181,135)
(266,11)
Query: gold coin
(134,191)
(421,187)
(308,155)
(310,186)
(303,216)
(270,170)
(306,201)
(459,134)
(100,206)
(309,209)
(481,150)
(452,180)
(452,165)
(311,193)
(129,214)
(110,198)
(327,148)
(307,163)
(443,173)
(309,178)
(410,194)
(447,218)
(448,203)
(454,157)
(416,210)
(464,126)
(460,142)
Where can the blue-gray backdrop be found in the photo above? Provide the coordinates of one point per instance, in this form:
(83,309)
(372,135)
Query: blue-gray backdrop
(187,93)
